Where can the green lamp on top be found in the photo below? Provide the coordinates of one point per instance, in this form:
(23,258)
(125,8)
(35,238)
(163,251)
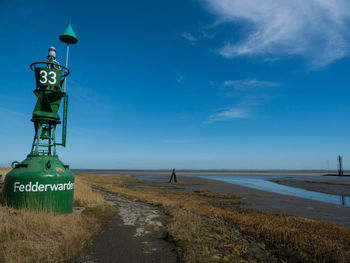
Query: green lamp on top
(68,37)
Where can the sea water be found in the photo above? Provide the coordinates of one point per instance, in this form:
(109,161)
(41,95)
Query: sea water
(262,183)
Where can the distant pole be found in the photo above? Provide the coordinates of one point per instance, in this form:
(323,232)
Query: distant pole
(340,165)
(173,176)
(328,165)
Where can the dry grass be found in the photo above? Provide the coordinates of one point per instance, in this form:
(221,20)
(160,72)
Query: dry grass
(39,237)
(211,227)
(51,237)
(3,172)
(84,196)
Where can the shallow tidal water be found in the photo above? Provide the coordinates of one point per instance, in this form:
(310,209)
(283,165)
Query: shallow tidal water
(263,183)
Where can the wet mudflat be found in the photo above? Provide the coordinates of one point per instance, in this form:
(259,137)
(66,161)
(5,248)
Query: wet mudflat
(278,203)
(134,234)
(336,185)
(269,201)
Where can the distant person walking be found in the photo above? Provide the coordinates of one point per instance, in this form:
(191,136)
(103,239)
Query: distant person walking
(173,175)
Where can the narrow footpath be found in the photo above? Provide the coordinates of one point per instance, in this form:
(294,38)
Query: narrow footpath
(135,234)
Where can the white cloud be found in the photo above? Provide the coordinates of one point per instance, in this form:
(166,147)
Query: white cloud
(244,84)
(192,39)
(317,30)
(251,99)
(231,113)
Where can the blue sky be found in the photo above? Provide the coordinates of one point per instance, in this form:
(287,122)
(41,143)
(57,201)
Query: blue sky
(207,84)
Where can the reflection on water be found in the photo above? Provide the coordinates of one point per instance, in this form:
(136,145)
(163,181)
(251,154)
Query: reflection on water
(343,202)
(261,183)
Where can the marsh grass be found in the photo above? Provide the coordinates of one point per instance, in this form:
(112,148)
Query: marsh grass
(3,172)
(84,195)
(42,237)
(51,237)
(213,227)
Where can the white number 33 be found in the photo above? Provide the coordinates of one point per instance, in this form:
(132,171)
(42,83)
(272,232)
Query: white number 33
(44,79)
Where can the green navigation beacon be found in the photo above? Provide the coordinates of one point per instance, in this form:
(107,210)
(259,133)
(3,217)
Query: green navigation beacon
(42,182)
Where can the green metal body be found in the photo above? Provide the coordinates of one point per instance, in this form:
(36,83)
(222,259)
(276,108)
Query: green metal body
(42,182)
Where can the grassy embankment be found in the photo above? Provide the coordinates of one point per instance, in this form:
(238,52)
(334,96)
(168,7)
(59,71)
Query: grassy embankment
(212,227)
(51,237)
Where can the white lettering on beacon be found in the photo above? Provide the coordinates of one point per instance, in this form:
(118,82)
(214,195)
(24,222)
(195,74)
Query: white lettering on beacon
(36,187)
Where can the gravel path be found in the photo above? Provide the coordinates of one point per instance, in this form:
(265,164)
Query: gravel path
(134,234)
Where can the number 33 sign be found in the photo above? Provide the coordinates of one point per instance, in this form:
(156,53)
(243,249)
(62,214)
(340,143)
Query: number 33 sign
(48,77)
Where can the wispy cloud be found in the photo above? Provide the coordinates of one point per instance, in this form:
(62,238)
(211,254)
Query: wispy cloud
(201,34)
(248,91)
(317,30)
(174,141)
(244,84)
(12,112)
(180,78)
(231,113)
(206,34)
(191,38)
(13,118)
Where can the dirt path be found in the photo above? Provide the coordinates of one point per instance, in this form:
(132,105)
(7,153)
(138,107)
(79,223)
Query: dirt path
(134,234)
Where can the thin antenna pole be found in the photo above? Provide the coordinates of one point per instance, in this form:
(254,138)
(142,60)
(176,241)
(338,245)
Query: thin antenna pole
(65,80)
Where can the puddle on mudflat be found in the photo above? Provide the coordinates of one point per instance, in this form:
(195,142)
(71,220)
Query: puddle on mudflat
(156,242)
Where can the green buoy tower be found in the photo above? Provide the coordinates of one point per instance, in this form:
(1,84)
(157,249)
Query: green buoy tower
(42,182)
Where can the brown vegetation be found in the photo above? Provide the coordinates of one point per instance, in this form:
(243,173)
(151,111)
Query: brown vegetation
(212,227)
(84,195)
(3,172)
(51,237)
